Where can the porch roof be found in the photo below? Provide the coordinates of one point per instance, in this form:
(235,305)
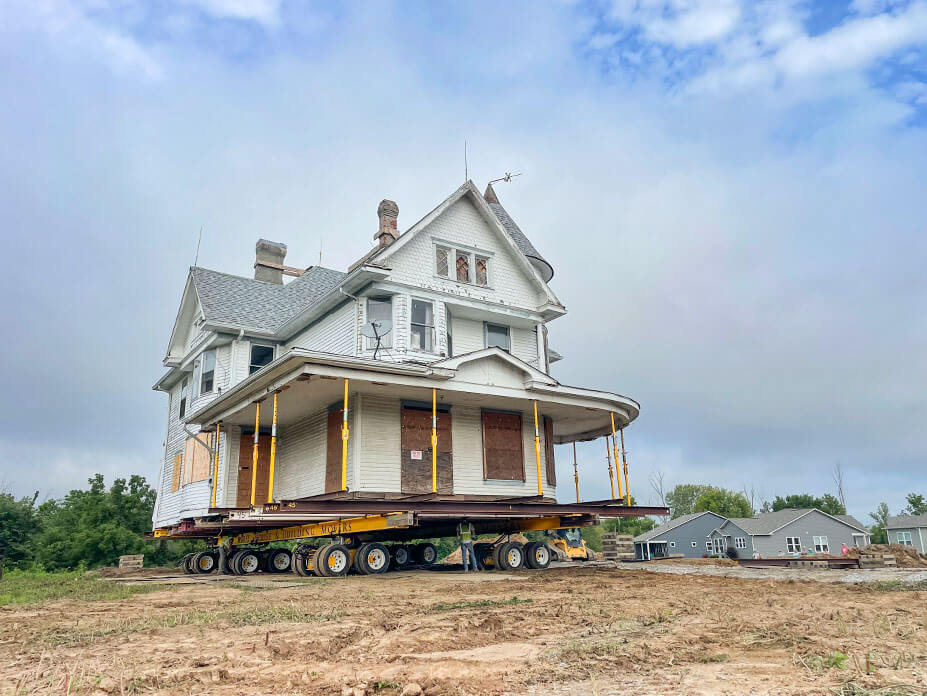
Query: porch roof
(311,380)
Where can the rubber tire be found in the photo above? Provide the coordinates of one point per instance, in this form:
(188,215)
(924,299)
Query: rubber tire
(244,556)
(535,549)
(187,564)
(425,553)
(324,557)
(401,555)
(484,553)
(502,554)
(229,562)
(301,562)
(199,559)
(274,557)
(362,559)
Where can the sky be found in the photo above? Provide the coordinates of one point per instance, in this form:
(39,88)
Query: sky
(731,193)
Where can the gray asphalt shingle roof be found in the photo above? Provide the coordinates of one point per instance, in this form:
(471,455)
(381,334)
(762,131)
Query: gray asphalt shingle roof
(672,524)
(256,304)
(521,241)
(905,521)
(768,522)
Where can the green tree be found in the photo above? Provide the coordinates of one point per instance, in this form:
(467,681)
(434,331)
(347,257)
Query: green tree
(916,505)
(799,501)
(724,502)
(830,504)
(880,520)
(18,526)
(681,500)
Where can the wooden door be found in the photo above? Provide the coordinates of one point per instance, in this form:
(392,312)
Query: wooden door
(416,452)
(551,465)
(503,452)
(245,460)
(333,451)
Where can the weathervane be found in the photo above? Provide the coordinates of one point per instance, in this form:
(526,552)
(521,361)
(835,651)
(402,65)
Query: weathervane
(508,177)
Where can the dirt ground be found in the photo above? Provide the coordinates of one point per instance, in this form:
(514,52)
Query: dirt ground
(577,631)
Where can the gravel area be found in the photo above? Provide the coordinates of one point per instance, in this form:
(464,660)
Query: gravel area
(831,575)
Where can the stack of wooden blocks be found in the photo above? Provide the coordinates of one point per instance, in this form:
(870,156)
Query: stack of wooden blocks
(877,560)
(808,564)
(134,561)
(617,547)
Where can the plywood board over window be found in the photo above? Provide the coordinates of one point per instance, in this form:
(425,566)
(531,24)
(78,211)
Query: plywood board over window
(245,462)
(175,475)
(550,464)
(197,459)
(416,451)
(503,454)
(333,453)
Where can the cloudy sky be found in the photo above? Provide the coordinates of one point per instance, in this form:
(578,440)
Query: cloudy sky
(732,194)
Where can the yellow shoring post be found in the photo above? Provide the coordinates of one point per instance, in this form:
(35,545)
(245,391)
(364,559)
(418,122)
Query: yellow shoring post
(615,446)
(215,467)
(273,453)
(624,460)
(537,447)
(575,472)
(254,457)
(434,440)
(611,473)
(344,440)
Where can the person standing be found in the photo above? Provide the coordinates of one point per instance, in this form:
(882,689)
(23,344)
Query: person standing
(467,554)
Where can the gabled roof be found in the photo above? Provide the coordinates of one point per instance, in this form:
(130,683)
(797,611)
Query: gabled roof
(521,241)
(672,524)
(906,521)
(770,522)
(256,305)
(494,352)
(852,521)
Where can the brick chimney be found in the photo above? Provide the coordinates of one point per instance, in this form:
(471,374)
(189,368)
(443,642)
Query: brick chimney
(266,256)
(388,212)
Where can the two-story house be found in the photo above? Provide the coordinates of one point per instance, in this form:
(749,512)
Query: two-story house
(278,391)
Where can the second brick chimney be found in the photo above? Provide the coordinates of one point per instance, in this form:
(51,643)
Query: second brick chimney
(388,212)
(273,254)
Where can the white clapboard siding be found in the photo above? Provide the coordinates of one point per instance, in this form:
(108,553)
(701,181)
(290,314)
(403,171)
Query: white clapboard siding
(301,452)
(525,345)
(333,333)
(466,335)
(462,224)
(379,437)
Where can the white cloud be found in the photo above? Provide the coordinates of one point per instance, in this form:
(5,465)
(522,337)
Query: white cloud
(266,12)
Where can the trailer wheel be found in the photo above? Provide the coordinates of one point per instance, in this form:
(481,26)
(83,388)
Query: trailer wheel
(509,556)
(302,558)
(203,563)
(229,567)
(247,562)
(278,561)
(186,564)
(425,553)
(332,561)
(537,555)
(484,554)
(401,556)
(371,559)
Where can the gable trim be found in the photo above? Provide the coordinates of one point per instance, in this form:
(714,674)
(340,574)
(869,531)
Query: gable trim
(485,353)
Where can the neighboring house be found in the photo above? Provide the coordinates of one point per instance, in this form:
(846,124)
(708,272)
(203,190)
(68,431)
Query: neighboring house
(468,299)
(908,530)
(787,532)
(687,535)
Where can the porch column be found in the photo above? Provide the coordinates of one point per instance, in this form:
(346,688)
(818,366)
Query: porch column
(273,453)
(215,468)
(254,456)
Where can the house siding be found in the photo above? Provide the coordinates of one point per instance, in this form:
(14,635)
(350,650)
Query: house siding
(679,539)
(333,333)
(918,536)
(301,455)
(813,524)
(466,334)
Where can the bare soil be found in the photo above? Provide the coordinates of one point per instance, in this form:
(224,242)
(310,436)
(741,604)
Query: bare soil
(574,631)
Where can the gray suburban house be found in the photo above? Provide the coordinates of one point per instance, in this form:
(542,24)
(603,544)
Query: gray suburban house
(771,534)
(686,535)
(908,530)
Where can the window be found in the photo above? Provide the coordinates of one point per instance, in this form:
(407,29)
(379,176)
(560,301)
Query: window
(672,544)
(196,458)
(184,386)
(497,336)
(482,272)
(208,372)
(463,267)
(422,330)
(740,543)
(719,545)
(503,456)
(793,544)
(904,538)
(694,545)
(447,324)
(441,261)
(820,544)
(261,355)
(380,309)
(708,546)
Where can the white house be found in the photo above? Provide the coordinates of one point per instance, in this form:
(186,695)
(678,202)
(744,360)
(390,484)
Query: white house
(262,361)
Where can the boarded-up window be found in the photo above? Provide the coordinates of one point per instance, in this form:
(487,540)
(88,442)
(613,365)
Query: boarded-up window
(415,439)
(549,451)
(503,455)
(175,475)
(197,459)
(463,268)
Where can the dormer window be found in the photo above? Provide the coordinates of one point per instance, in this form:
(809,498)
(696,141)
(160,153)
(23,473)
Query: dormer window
(208,372)
(462,265)
(184,386)
(261,355)
(497,336)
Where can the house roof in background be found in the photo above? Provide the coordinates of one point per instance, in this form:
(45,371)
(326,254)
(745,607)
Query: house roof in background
(256,305)
(672,524)
(769,522)
(904,521)
(852,521)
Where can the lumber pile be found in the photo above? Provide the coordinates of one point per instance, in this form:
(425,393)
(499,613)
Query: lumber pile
(809,564)
(617,547)
(134,561)
(877,560)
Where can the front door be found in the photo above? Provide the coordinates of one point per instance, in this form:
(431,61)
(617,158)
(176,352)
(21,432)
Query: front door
(416,452)
(245,463)
(719,545)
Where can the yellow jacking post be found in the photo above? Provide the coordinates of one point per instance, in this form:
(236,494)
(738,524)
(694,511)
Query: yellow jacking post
(344,440)
(434,440)
(273,453)
(215,468)
(611,473)
(537,447)
(615,445)
(575,472)
(254,456)
(624,459)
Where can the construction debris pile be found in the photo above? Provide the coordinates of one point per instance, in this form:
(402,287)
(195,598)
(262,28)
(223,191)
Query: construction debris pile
(904,556)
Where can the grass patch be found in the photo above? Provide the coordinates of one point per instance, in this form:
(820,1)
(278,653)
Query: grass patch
(35,587)
(480,603)
(717,657)
(854,689)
